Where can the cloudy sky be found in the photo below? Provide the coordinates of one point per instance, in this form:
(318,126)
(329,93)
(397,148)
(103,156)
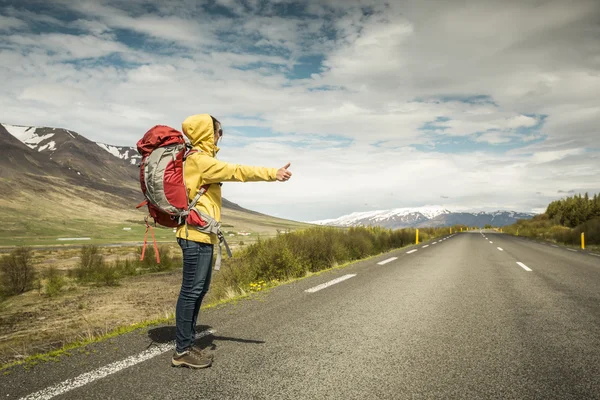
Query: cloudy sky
(477,105)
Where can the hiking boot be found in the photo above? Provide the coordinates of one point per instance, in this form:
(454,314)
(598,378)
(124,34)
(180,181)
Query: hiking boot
(203,353)
(191,359)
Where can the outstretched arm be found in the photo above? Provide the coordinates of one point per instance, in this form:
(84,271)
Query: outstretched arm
(215,171)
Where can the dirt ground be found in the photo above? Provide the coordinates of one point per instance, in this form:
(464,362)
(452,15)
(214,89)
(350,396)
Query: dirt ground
(32,322)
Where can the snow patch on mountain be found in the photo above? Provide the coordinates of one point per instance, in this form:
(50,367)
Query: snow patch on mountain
(48,146)
(28,135)
(122,152)
(111,149)
(20,132)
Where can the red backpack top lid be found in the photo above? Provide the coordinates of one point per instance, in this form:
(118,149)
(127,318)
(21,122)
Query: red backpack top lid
(158,136)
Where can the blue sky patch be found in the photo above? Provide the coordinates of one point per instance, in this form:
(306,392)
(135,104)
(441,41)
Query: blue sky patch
(304,141)
(306,66)
(464,144)
(433,127)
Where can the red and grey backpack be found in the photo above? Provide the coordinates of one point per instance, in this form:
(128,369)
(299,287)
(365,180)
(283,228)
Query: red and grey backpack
(164,152)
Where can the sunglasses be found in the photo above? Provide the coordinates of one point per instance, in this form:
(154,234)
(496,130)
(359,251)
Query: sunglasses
(220,132)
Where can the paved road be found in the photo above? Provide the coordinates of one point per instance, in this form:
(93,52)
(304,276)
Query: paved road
(458,319)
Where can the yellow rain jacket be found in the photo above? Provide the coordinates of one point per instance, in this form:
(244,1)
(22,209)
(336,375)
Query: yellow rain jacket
(203,168)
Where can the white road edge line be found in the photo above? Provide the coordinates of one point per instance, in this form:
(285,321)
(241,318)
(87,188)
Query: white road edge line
(105,371)
(387,261)
(525,267)
(594,254)
(555,246)
(572,250)
(412,251)
(330,283)
(500,248)
(425,246)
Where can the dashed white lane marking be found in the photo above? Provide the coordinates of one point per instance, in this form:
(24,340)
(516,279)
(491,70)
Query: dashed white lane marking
(387,261)
(525,267)
(426,246)
(500,248)
(434,243)
(327,284)
(412,251)
(572,250)
(491,242)
(105,371)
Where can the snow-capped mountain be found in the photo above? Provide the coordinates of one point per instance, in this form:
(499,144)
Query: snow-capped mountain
(75,152)
(425,217)
(46,139)
(396,218)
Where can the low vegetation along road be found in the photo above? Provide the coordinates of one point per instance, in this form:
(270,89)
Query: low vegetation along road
(473,315)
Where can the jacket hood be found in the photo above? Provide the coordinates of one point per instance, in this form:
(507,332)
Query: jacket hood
(200,131)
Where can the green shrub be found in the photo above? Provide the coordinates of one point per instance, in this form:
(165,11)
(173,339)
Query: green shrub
(591,229)
(90,264)
(17,272)
(126,267)
(297,253)
(55,282)
(93,269)
(544,228)
(107,276)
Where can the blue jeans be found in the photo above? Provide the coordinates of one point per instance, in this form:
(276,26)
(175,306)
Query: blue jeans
(197,271)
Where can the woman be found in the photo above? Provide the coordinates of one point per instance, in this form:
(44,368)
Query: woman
(202,169)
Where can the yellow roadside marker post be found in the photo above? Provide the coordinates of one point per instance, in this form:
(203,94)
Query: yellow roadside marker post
(417,242)
(582,241)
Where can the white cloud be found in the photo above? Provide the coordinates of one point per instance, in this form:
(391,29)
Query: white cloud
(9,23)
(522,121)
(180,29)
(67,47)
(494,137)
(53,94)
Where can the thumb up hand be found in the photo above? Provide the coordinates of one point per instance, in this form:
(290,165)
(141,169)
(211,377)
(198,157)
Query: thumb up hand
(283,174)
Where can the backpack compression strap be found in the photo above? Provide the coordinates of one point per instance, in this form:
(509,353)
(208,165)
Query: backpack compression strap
(148,227)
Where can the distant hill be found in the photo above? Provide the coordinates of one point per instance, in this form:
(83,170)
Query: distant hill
(421,217)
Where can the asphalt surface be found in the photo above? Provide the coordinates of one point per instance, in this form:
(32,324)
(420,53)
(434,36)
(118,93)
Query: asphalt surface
(459,319)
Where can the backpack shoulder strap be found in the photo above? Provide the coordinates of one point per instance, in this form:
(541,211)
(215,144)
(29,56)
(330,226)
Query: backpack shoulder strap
(201,191)
(189,151)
